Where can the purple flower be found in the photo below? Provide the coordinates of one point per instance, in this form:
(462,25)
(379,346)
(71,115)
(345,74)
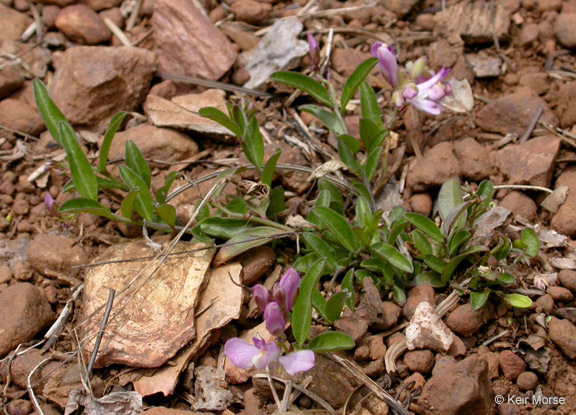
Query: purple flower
(275,322)
(314,50)
(387,62)
(286,291)
(49,202)
(261,296)
(424,95)
(262,354)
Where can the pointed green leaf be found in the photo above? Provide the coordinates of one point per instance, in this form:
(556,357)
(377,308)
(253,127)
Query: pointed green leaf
(302,312)
(399,295)
(115,123)
(81,171)
(322,249)
(86,206)
(331,341)
(457,240)
(167,213)
(531,241)
(218,116)
(135,160)
(348,286)
(128,204)
(339,226)
(162,193)
(270,168)
(392,255)
(49,112)
(478,298)
(372,161)
(363,212)
(518,300)
(348,158)
(421,242)
(449,197)
(426,225)
(253,145)
(369,105)
(429,278)
(143,204)
(223,227)
(435,263)
(245,240)
(372,135)
(330,121)
(451,266)
(304,83)
(355,80)
(335,305)
(486,191)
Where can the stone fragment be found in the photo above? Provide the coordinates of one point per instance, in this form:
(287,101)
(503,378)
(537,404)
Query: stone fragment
(564,29)
(11,79)
(527,381)
(255,263)
(160,410)
(520,204)
(388,316)
(187,43)
(20,116)
(529,163)
(513,113)
(24,312)
(546,302)
(483,65)
(98,5)
(566,108)
(353,325)
(474,22)
(13,23)
(375,368)
(568,279)
(211,389)
(5,274)
(474,157)
(92,84)
(240,35)
(400,7)
(563,332)
(59,3)
(251,11)
(421,361)
(155,143)
(438,165)
(465,320)
(114,15)
(561,294)
(421,203)
(377,348)
(415,296)
(563,220)
(537,82)
(49,253)
(82,25)
(528,34)
(35,60)
(511,364)
(427,330)
(461,388)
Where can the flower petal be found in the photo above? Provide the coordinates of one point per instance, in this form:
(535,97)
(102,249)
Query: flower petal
(275,322)
(429,83)
(261,296)
(240,352)
(267,355)
(300,361)
(290,282)
(426,105)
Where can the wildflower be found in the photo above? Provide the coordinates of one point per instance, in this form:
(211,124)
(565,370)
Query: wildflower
(275,322)
(284,293)
(262,355)
(425,95)
(387,62)
(49,202)
(314,51)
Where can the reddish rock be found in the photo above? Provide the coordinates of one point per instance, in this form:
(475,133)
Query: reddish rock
(49,15)
(492,359)
(528,34)
(438,165)
(563,332)
(563,221)
(101,4)
(415,296)
(20,116)
(24,312)
(59,3)
(92,84)
(362,353)
(19,407)
(115,16)
(513,113)
(529,163)
(21,367)
(465,320)
(520,204)
(511,364)
(546,303)
(564,29)
(566,108)
(561,294)
(356,327)
(568,279)
(508,409)
(537,82)
(375,368)
(388,316)
(462,388)
(421,361)
(240,35)
(11,79)
(458,348)
(474,159)
(188,43)
(255,263)
(55,253)
(421,203)
(527,381)
(377,348)
(251,11)
(82,25)
(13,23)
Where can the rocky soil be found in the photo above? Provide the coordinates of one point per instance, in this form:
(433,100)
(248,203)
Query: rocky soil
(99,57)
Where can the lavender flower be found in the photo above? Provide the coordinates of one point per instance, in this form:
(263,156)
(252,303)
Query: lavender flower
(49,202)
(262,355)
(425,95)
(387,62)
(314,51)
(275,321)
(286,291)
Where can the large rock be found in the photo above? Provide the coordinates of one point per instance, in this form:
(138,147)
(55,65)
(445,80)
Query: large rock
(563,221)
(13,23)
(11,79)
(24,312)
(82,25)
(92,84)
(438,165)
(459,389)
(53,253)
(562,332)
(513,113)
(155,143)
(520,205)
(188,43)
(474,157)
(529,163)
(564,29)
(20,116)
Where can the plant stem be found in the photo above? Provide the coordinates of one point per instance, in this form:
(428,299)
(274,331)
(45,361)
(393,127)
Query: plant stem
(255,219)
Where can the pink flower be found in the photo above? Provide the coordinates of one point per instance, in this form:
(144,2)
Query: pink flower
(262,355)
(314,50)
(387,62)
(286,291)
(49,202)
(425,95)
(261,296)
(275,322)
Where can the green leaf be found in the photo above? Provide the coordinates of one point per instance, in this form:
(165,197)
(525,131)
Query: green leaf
(319,303)
(335,305)
(253,145)
(128,204)
(360,189)
(355,80)
(426,225)
(449,197)
(115,123)
(372,135)
(277,202)
(457,240)
(518,300)
(339,226)
(135,160)
(81,172)
(369,105)
(304,263)
(322,249)
(347,157)
(348,286)
(363,212)
(218,116)
(87,206)
(506,278)
(478,299)
(421,242)
(392,255)
(143,204)
(435,263)
(397,228)
(371,164)
(456,219)
(429,278)
(302,312)
(531,241)
(352,143)
(331,121)
(270,168)
(331,341)
(486,191)
(162,193)
(167,213)
(451,266)
(304,83)
(49,112)
(223,227)
(399,294)
(109,183)
(245,240)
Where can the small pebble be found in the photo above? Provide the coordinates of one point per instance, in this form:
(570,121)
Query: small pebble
(527,381)
(560,294)
(5,274)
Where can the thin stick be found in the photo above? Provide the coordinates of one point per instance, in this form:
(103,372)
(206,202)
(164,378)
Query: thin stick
(111,295)
(273,389)
(117,32)
(29,386)
(213,84)
(532,125)
(52,333)
(134,15)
